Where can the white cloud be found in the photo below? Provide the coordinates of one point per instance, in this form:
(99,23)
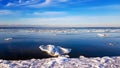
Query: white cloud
(29,3)
(45,3)
(63,0)
(5,12)
(85,0)
(9,4)
(20,1)
(49,13)
(106,7)
(75,21)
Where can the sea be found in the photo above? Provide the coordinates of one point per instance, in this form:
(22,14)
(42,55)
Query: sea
(18,43)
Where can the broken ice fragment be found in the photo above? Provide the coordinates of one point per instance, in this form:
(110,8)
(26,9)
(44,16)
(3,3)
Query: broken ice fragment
(54,50)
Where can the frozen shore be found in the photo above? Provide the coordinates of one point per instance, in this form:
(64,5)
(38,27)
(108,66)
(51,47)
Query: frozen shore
(63,62)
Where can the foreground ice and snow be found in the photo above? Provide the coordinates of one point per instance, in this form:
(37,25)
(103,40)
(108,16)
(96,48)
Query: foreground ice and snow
(63,62)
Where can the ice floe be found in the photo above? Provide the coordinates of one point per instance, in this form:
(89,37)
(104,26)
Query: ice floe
(63,30)
(110,44)
(99,30)
(54,50)
(7,39)
(102,34)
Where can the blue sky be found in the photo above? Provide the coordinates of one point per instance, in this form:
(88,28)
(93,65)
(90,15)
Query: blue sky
(60,12)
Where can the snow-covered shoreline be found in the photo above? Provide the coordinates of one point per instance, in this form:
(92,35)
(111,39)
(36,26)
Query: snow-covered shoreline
(63,62)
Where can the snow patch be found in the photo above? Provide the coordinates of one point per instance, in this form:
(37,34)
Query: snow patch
(63,62)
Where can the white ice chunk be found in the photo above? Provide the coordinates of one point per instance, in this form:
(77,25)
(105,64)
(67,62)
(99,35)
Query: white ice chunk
(110,44)
(102,35)
(7,39)
(54,50)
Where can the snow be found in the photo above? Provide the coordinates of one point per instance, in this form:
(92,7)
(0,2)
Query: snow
(63,62)
(54,50)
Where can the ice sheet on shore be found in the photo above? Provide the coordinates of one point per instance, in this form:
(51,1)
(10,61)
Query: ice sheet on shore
(63,62)
(54,50)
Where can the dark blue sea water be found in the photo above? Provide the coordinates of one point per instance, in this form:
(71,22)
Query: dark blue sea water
(25,41)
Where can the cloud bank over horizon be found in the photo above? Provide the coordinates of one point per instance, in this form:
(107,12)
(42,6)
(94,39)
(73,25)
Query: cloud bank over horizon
(60,12)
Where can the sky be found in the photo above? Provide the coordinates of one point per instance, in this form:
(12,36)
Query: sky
(60,12)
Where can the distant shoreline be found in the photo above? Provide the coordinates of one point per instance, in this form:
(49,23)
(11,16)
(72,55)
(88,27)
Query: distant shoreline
(56,26)
(20,27)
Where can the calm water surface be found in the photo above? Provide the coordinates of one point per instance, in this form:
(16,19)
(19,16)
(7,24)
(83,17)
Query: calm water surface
(25,42)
